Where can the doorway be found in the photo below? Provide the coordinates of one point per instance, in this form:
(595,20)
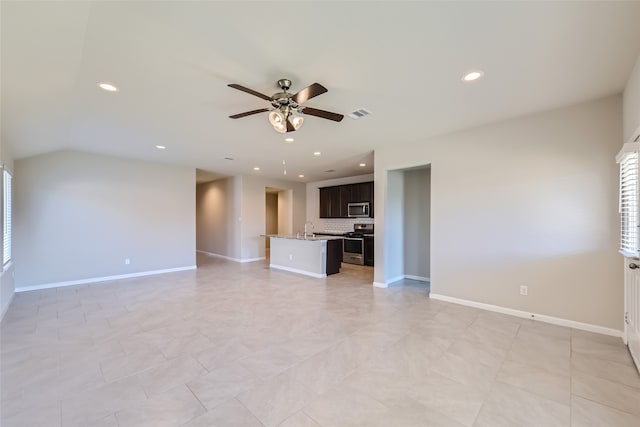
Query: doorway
(408,259)
(278,214)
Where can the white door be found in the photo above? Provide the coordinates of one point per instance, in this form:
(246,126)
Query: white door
(632,307)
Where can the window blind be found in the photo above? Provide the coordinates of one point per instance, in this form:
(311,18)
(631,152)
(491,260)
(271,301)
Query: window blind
(6,215)
(629,204)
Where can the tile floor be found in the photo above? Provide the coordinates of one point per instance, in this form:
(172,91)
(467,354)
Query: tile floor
(240,345)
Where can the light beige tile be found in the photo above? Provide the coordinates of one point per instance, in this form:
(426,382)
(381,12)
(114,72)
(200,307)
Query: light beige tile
(547,329)
(129,364)
(373,352)
(410,413)
(229,414)
(613,371)
(609,393)
(536,380)
(586,413)
(455,400)
(89,407)
(509,406)
(170,374)
(276,399)
(170,408)
(344,406)
(222,384)
(269,362)
(482,352)
(47,415)
(327,368)
(602,348)
(221,353)
(299,419)
(499,323)
(185,345)
(465,370)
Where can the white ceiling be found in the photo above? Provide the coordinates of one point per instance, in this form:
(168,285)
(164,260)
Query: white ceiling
(402,60)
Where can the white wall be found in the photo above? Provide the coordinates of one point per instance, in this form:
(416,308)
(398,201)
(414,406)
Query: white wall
(417,222)
(7,286)
(393,232)
(530,201)
(218,215)
(78,216)
(631,103)
(333,224)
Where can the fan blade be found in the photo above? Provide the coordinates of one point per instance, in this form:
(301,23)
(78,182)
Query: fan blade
(324,114)
(248,113)
(309,92)
(290,127)
(251,91)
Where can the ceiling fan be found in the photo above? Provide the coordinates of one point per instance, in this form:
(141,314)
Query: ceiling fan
(286,108)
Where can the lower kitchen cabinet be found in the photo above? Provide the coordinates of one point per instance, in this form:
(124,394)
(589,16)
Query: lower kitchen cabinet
(368,250)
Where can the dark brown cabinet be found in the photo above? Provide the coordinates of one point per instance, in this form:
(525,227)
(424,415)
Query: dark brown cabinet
(334,256)
(334,201)
(368,250)
(325,202)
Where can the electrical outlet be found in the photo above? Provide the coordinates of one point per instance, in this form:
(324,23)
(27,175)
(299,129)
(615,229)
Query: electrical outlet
(290,257)
(127,261)
(524,290)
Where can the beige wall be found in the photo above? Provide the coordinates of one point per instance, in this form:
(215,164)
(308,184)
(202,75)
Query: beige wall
(78,216)
(530,201)
(218,217)
(631,102)
(271,220)
(417,222)
(7,287)
(253,211)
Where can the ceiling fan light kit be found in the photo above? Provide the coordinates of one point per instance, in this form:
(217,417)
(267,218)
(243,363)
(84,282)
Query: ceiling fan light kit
(286,109)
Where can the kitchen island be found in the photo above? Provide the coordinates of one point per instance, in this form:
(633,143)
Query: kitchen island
(315,256)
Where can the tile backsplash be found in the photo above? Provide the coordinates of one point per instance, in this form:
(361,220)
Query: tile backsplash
(339,225)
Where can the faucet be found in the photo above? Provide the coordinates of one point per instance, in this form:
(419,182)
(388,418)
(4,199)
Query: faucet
(305,228)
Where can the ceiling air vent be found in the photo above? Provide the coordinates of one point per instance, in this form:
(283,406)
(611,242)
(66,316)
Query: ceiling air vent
(330,170)
(359,113)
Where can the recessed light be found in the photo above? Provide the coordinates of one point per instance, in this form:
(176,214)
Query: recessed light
(108,87)
(472,75)
(363,165)
(317,153)
(256,168)
(228,158)
(161,147)
(289,139)
(300,176)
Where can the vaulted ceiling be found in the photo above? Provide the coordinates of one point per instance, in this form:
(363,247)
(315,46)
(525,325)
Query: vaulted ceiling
(403,61)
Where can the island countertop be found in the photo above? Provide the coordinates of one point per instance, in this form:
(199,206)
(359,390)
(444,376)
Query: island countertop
(311,237)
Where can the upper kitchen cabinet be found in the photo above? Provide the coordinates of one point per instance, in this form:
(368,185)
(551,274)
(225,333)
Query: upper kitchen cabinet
(325,202)
(334,201)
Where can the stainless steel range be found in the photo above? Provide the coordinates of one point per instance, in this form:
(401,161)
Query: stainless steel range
(353,244)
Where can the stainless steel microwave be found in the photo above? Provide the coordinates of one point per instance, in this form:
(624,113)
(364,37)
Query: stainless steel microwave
(358,210)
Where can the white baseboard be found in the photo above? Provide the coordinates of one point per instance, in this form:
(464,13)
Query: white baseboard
(532,316)
(102,279)
(418,278)
(230,258)
(295,270)
(253,259)
(380,285)
(395,279)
